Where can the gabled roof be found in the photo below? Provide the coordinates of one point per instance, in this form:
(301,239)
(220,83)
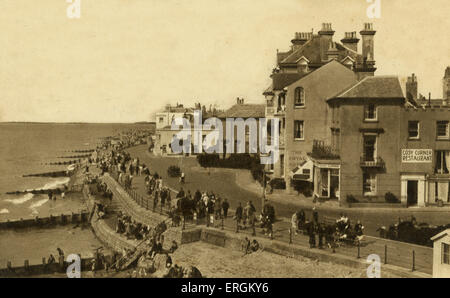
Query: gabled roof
(440,235)
(311,51)
(333,76)
(245,111)
(374,87)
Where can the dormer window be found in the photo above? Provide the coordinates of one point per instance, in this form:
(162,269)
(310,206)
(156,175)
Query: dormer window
(302,64)
(348,61)
(370,112)
(299,97)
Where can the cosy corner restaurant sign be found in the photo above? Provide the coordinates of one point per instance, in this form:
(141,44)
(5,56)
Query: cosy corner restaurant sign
(417,155)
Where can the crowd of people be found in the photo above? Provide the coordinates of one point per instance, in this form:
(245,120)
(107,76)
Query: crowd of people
(209,207)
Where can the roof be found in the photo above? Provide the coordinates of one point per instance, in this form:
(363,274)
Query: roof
(269,90)
(281,80)
(374,87)
(311,51)
(245,111)
(333,77)
(440,235)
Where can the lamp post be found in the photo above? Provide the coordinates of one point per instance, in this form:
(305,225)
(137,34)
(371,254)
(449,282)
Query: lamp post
(264,184)
(263,198)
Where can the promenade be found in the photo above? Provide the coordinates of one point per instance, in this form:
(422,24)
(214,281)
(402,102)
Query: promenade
(416,260)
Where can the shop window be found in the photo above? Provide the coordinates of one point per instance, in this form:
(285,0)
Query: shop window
(442,164)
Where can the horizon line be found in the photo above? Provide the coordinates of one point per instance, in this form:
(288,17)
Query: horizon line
(75,122)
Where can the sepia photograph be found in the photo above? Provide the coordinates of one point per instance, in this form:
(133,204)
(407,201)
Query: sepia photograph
(224,140)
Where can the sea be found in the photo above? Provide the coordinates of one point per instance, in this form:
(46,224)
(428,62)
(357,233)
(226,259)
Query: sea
(27,148)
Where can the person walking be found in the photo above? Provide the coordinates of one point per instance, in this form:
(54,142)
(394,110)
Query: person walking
(315,216)
(225,207)
(312,234)
(238,214)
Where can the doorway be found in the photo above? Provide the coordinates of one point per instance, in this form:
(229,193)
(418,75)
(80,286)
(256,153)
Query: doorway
(412,192)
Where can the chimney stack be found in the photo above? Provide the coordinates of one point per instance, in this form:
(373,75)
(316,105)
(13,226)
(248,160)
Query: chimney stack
(300,39)
(333,53)
(411,87)
(367,43)
(351,41)
(446,84)
(326,37)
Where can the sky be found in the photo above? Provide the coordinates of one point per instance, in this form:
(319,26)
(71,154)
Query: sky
(123,60)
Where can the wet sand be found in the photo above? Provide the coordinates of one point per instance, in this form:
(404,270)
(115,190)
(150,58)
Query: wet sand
(34,243)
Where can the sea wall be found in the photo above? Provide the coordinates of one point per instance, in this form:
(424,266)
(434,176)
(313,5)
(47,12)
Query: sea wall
(235,241)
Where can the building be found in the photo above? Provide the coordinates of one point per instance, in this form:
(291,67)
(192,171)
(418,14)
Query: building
(441,254)
(164,133)
(314,69)
(244,111)
(165,117)
(353,136)
(366,123)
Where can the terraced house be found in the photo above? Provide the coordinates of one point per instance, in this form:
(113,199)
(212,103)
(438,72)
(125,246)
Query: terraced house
(353,136)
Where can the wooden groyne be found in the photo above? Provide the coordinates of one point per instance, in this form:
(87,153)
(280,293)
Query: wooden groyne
(52,220)
(63,163)
(50,174)
(76,156)
(36,191)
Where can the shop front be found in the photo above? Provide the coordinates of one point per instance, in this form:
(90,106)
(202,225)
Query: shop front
(327,179)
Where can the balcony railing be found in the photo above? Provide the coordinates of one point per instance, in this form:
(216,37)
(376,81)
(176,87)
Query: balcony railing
(322,151)
(372,162)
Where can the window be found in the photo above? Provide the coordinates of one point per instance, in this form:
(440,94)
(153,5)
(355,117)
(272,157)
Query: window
(445,253)
(442,129)
(299,130)
(161,119)
(299,97)
(442,162)
(370,112)
(369,184)
(413,129)
(370,142)
(281,102)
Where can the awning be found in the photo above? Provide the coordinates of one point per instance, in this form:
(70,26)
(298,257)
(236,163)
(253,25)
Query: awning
(303,171)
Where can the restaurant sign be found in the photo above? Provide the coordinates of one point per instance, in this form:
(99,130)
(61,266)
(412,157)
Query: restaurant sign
(296,158)
(417,155)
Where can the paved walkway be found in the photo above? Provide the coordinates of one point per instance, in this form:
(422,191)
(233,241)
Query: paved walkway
(398,253)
